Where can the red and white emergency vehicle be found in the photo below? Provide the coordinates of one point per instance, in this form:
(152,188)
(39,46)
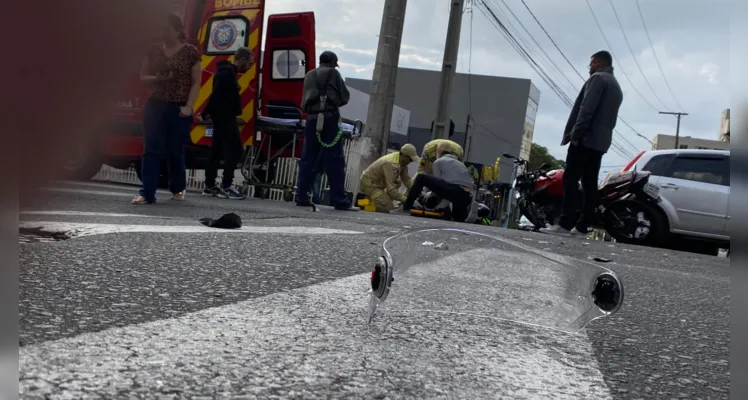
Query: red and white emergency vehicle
(271,89)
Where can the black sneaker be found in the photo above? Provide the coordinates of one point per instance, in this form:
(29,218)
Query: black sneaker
(231,193)
(211,191)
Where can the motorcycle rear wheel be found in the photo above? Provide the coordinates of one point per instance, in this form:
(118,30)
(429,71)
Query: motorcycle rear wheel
(634,222)
(529,210)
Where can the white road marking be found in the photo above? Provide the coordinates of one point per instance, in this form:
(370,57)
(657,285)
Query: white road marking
(78,229)
(122,186)
(96,192)
(313,343)
(91,214)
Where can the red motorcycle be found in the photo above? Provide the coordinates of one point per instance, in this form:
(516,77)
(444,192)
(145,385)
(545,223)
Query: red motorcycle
(628,204)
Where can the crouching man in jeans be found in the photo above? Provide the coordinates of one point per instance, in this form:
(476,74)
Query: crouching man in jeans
(450,180)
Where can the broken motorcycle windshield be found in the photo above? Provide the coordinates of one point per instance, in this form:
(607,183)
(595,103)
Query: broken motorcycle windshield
(453,272)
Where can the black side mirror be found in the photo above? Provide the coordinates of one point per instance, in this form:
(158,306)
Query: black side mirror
(544,167)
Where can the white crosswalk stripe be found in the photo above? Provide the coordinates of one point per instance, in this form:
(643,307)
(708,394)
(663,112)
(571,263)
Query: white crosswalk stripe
(79,229)
(313,343)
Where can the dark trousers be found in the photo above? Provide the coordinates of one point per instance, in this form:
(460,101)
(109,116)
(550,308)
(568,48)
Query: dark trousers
(166,133)
(459,197)
(332,159)
(581,163)
(317,189)
(226,147)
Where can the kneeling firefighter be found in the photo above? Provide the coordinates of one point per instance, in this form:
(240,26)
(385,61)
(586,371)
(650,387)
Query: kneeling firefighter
(429,153)
(382,180)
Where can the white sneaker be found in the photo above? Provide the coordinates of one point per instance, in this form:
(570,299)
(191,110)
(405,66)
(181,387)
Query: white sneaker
(556,230)
(576,232)
(472,212)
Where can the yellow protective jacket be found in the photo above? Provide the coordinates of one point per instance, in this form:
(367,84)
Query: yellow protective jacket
(387,174)
(428,156)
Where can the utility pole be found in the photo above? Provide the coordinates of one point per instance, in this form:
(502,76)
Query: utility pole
(382,95)
(677,126)
(449,67)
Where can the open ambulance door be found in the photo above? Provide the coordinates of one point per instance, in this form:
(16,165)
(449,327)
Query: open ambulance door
(289,54)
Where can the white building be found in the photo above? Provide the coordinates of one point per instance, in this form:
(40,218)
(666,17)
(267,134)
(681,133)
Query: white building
(664,142)
(358,108)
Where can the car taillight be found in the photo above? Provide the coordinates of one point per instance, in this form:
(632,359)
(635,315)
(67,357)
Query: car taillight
(632,162)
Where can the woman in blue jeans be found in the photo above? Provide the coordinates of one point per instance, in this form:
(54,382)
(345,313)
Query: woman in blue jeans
(172,72)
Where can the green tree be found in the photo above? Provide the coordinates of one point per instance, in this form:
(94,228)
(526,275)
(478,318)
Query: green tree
(539,155)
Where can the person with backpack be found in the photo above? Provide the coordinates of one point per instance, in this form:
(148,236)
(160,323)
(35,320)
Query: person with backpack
(324,93)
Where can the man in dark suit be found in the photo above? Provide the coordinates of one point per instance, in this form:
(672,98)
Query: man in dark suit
(589,134)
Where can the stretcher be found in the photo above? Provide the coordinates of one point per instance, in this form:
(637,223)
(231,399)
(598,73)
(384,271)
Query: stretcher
(275,138)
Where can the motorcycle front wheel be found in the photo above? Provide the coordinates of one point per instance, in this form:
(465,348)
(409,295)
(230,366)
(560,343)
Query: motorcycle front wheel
(634,222)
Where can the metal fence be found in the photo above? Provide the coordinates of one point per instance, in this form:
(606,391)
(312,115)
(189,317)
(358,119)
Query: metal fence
(286,173)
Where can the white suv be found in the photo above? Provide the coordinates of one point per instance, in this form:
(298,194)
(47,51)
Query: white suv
(695,191)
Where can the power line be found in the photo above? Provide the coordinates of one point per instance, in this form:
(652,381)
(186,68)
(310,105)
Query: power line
(580,75)
(623,71)
(641,16)
(573,68)
(577,72)
(562,95)
(571,84)
(494,20)
(631,50)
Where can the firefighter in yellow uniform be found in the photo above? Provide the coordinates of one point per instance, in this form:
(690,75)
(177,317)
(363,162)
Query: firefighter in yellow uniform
(382,180)
(428,156)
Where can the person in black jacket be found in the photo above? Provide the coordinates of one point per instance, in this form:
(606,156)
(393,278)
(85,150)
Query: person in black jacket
(224,105)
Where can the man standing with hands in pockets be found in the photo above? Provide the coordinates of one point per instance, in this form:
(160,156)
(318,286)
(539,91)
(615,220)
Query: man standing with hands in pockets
(589,134)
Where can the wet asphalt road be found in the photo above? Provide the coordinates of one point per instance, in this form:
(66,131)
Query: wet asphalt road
(670,340)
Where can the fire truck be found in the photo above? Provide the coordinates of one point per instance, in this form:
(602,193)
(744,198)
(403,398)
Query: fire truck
(271,89)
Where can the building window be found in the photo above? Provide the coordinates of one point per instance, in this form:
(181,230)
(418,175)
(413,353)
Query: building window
(683,146)
(532,110)
(289,64)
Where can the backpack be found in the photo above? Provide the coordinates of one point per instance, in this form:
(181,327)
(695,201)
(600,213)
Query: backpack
(322,90)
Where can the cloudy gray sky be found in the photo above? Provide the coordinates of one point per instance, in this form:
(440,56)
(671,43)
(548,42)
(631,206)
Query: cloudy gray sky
(690,37)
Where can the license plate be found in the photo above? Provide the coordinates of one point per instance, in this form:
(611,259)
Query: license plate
(652,190)
(209,131)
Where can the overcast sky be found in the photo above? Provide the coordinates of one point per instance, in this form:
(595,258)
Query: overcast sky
(690,37)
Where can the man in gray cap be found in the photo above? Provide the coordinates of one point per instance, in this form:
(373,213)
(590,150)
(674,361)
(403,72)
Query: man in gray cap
(324,93)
